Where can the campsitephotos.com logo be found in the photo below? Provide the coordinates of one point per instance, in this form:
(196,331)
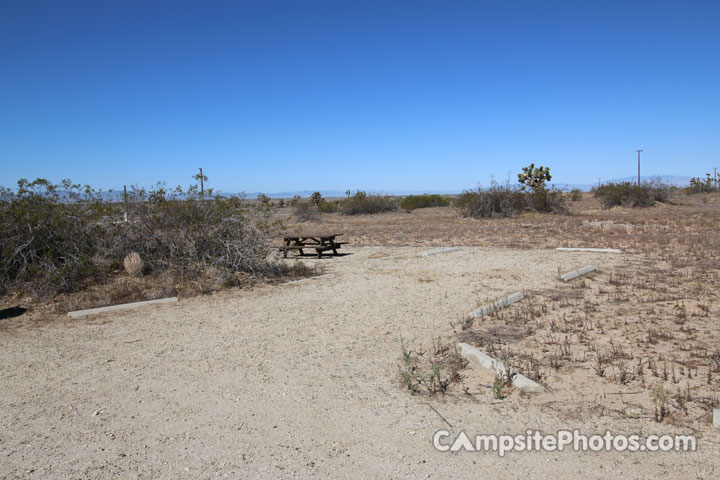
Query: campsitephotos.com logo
(535,441)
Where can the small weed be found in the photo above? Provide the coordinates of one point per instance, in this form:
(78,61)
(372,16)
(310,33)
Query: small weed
(660,398)
(503,382)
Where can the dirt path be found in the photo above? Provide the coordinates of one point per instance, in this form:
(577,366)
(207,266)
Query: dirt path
(290,381)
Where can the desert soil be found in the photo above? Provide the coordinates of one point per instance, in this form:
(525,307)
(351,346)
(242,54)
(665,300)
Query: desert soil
(301,381)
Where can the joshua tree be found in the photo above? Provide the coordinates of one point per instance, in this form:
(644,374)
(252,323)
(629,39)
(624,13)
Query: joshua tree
(534,178)
(316,199)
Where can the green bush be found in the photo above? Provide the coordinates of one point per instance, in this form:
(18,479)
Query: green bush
(411,202)
(630,194)
(363,203)
(328,206)
(575,194)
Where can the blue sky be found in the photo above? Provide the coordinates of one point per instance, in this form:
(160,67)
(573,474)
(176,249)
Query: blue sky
(289,95)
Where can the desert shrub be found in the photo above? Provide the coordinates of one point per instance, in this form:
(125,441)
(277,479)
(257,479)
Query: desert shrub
(411,202)
(547,200)
(496,201)
(505,200)
(631,194)
(305,211)
(327,206)
(362,203)
(178,230)
(59,238)
(49,235)
(575,194)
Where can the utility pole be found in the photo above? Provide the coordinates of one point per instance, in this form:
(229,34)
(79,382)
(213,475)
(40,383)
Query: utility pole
(638,166)
(716,177)
(202,187)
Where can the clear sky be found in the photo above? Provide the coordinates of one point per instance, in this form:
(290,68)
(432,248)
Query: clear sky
(421,95)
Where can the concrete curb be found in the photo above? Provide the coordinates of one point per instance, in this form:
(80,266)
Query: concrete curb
(124,306)
(476,357)
(302,280)
(441,250)
(576,273)
(497,305)
(597,250)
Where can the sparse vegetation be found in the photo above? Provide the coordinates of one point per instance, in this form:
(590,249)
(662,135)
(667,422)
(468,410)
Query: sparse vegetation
(628,327)
(437,376)
(503,383)
(660,398)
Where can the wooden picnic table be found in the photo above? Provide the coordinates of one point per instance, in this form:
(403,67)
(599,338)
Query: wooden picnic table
(318,242)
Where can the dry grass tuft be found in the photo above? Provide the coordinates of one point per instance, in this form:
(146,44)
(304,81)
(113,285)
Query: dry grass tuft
(133,264)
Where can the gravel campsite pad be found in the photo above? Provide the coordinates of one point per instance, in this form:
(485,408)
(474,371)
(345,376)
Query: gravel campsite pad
(300,380)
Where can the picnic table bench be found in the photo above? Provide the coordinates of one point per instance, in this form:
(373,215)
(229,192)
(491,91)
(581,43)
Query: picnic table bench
(319,243)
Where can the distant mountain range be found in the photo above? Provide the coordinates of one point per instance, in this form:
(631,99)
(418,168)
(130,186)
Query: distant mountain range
(677,180)
(338,193)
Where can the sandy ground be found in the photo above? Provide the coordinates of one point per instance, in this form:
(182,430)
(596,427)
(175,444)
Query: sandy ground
(293,381)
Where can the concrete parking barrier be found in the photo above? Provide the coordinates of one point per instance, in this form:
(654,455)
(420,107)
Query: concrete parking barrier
(580,249)
(124,306)
(576,273)
(476,357)
(441,250)
(302,280)
(497,305)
